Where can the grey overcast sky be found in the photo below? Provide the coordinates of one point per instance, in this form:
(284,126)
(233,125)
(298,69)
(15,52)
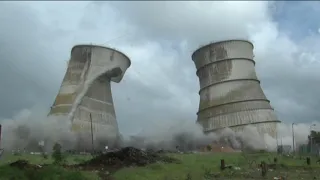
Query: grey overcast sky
(161,85)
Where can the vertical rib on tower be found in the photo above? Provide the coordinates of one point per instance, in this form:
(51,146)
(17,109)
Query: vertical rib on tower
(87,80)
(230,93)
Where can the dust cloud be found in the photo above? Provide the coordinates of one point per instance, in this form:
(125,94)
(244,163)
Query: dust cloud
(27,128)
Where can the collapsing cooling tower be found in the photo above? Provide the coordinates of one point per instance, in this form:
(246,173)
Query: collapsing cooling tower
(230,93)
(86,89)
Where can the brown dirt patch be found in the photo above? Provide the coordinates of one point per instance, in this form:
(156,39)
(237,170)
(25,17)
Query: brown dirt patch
(125,157)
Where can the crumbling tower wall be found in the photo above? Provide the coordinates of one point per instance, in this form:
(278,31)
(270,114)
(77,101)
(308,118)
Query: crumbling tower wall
(230,92)
(86,88)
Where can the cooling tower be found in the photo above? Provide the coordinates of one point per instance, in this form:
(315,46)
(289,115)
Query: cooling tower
(230,93)
(86,90)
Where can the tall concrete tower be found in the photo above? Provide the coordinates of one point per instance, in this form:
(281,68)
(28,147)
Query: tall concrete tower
(86,89)
(230,93)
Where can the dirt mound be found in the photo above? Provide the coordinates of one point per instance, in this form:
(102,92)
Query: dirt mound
(23,164)
(20,164)
(125,157)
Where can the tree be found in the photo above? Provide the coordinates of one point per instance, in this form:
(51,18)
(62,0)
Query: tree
(209,148)
(57,154)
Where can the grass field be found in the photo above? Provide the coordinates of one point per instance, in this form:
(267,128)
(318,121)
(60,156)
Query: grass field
(206,166)
(203,166)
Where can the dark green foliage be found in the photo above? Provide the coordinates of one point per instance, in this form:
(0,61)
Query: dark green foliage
(57,154)
(9,173)
(79,160)
(262,151)
(207,174)
(188,177)
(54,173)
(16,153)
(209,148)
(45,156)
(44,173)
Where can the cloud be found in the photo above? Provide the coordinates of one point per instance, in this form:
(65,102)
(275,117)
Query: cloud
(291,21)
(27,73)
(194,21)
(161,85)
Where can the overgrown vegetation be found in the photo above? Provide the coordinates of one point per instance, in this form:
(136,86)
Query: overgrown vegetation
(209,148)
(206,166)
(50,172)
(57,154)
(201,166)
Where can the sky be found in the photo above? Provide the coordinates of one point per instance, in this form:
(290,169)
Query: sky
(161,85)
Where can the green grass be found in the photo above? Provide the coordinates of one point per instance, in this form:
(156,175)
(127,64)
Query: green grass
(196,166)
(38,159)
(50,172)
(207,165)
(45,173)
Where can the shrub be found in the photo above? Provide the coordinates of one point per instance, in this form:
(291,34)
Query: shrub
(57,154)
(188,177)
(209,148)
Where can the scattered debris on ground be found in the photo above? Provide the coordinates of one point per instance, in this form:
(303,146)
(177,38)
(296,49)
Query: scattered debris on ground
(236,168)
(125,157)
(279,178)
(105,164)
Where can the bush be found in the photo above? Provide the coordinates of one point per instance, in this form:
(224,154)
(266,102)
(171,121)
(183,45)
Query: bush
(188,177)
(45,156)
(57,154)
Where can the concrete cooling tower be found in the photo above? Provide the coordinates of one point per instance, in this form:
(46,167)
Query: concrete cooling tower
(86,90)
(230,93)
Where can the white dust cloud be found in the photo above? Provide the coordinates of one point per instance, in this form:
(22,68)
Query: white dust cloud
(27,128)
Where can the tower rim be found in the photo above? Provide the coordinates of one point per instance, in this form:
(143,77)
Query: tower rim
(100,46)
(219,42)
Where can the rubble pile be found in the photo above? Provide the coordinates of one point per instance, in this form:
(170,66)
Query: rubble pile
(23,164)
(20,164)
(125,157)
